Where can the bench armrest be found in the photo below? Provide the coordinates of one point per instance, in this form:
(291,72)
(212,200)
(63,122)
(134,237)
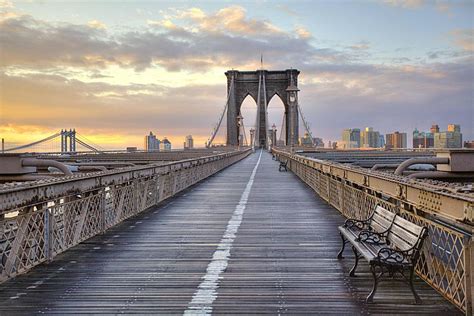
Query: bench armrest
(372,237)
(392,256)
(361,224)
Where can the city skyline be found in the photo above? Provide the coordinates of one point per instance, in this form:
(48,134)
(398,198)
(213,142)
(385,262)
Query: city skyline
(114,72)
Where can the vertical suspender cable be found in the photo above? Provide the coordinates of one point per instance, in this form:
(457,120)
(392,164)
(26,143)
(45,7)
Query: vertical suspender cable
(34,143)
(245,134)
(283,127)
(218,125)
(306,125)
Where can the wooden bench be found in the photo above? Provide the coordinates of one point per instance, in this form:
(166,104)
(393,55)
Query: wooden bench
(283,165)
(388,242)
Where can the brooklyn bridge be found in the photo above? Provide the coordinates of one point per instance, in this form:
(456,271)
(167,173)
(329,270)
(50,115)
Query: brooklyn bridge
(235,229)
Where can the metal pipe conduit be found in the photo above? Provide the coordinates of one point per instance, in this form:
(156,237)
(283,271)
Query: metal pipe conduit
(33,162)
(101,163)
(395,166)
(414,161)
(440,175)
(384,166)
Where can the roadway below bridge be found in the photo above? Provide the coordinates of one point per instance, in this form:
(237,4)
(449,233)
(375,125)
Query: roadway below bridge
(247,240)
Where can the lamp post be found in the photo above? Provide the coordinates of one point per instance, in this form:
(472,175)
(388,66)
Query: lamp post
(252,138)
(274,131)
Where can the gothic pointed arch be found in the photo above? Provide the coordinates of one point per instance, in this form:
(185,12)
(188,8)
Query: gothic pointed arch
(269,84)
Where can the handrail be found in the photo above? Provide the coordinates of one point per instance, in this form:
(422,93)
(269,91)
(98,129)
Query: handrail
(16,195)
(33,216)
(447,258)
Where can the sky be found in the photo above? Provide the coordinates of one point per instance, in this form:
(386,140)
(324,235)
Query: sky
(116,70)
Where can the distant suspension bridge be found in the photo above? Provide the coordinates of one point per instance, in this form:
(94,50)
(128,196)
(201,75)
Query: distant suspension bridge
(65,141)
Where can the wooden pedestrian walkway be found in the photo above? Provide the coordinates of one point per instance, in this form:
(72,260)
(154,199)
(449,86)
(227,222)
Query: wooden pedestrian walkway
(247,240)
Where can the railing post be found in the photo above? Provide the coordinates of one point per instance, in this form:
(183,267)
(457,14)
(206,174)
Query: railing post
(48,235)
(103,199)
(161,189)
(469,275)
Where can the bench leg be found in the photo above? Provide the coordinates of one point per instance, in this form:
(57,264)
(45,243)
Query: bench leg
(344,242)
(370,297)
(357,256)
(412,288)
(286,169)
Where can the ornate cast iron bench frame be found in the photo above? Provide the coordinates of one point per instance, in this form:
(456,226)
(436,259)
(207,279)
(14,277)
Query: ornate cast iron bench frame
(283,165)
(389,243)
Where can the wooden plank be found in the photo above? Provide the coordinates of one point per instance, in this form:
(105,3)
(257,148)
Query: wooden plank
(283,260)
(397,242)
(408,226)
(381,221)
(385,213)
(377,227)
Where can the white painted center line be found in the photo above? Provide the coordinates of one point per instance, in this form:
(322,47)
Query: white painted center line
(206,294)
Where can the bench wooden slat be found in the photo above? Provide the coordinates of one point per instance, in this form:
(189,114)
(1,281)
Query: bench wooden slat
(401,238)
(382,222)
(404,234)
(398,243)
(415,229)
(385,213)
(378,228)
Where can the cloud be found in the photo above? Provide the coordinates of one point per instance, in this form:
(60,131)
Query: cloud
(362,45)
(464,38)
(97,25)
(286,9)
(333,97)
(441,6)
(57,102)
(232,20)
(410,4)
(191,39)
(388,98)
(339,87)
(33,43)
(6,4)
(303,33)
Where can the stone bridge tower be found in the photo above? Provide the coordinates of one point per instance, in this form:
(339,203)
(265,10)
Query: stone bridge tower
(282,84)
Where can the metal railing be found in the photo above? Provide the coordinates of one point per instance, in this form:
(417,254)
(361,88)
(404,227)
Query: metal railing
(447,259)
(41,219)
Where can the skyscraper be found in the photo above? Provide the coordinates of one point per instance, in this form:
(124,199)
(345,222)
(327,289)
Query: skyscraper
(424,139)
(381,143)
(306,141)
(434,129)
(351,137)
(452,138)
(454,128)
(370,138)
(152,143)
(396,140)
(189,142)
(166,144)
